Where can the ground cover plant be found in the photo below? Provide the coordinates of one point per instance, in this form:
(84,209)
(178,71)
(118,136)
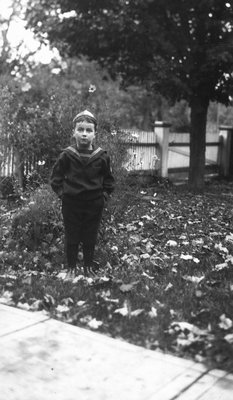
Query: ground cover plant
(166,277)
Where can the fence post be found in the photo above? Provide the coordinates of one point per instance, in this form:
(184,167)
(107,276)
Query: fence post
(162,130)
(19,168)
(226,150)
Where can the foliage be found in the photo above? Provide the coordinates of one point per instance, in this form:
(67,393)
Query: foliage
(165,282)
(38,221)
(8,187)
(179,117)
(220,114)
(38,122)
(32,121)
(15,56)
(191,60)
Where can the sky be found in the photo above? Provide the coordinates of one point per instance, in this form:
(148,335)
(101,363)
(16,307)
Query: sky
(17,33)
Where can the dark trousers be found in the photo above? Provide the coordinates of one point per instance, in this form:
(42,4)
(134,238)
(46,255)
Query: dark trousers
(81,221)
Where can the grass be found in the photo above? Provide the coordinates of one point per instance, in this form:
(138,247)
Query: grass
(166,280)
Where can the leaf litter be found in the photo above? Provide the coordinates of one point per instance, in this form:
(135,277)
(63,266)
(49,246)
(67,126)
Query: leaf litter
(166,280)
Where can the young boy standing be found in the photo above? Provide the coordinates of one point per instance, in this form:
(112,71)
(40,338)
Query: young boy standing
(82,178)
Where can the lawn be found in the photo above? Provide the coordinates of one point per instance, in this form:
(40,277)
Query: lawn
(166,276)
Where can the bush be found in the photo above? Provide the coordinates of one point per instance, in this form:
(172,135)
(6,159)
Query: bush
(8,187)
(39,220)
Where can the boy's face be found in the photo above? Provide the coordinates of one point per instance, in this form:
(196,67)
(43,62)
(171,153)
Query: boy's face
(84,134)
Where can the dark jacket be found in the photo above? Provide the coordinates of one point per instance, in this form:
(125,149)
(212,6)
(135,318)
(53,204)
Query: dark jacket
(84,180)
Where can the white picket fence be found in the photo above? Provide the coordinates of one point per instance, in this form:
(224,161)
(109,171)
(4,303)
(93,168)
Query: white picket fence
(143,149)
(167,153)
(7,161)
(159,152)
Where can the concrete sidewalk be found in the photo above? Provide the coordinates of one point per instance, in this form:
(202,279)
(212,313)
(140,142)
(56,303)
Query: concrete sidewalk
(44,359)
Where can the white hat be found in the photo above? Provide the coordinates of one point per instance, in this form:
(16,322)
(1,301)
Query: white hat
(85,113)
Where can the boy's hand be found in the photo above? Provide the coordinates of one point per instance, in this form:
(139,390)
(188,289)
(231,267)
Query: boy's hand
(105,199)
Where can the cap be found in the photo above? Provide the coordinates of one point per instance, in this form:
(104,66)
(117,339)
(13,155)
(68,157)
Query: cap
(85,113)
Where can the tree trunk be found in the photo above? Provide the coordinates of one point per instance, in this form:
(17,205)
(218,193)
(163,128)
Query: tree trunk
(199,108)
(147,114)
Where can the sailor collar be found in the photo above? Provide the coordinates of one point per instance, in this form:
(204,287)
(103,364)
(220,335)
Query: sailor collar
(74,152)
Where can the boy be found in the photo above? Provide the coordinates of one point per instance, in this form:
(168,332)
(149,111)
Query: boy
(82,178)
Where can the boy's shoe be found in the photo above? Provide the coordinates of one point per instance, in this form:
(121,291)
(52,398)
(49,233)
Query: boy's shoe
(89,271)
(95,265)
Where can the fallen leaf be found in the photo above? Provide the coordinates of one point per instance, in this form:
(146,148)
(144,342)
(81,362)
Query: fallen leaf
(186,326)
(169,286)
(135,313)
(226,323)
(80,303)
(199,358)
(153,312)
(149,247)
(123,311)
(94,323)
(78,278)
(229,238)
(220,248)
(62,275)
(198,242)
(229,338)
(36,305)
(145,256)
(68,301)
(194,279)
(184,342)
(104,279)
(135,239)
(147,276)
(114,249)
(85,319)
(88,280)
(23,306)
(7,298)
(186,257)
(127,287)
(220,267)
(147,217)
(131,228)
(171,243)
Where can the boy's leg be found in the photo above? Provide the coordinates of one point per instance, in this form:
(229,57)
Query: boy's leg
(88,255)
(72,217)
(91,225)
(72,256)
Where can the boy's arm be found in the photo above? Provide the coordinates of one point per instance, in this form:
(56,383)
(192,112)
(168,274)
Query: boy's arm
(109,181)
(58,174)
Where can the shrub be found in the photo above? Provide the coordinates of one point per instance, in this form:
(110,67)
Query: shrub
(8,187)
(39,219)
